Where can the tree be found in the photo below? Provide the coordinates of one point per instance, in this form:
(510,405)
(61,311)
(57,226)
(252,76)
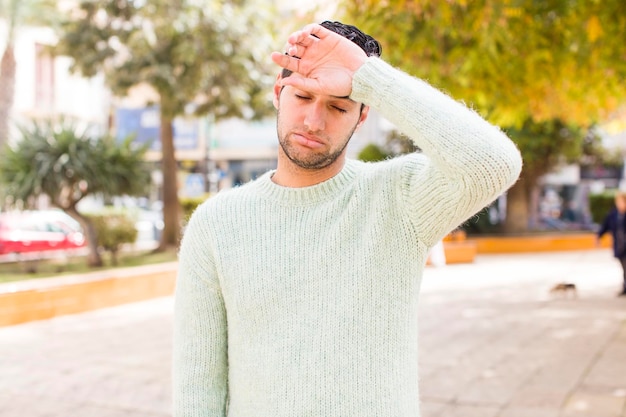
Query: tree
(208,56)
(544,145)
(67,164)
(559,64)
(16,14)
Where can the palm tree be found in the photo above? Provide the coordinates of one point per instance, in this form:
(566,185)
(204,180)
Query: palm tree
(67,164)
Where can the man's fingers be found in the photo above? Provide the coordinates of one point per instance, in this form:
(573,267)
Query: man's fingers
(317,31)
(303,36)
(294,50)
(286,61)
(309,35)
(301,83)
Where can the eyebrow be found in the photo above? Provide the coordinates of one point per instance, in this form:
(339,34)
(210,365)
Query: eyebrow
(343,98)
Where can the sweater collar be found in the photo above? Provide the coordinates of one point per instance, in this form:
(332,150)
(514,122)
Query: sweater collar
(313,194)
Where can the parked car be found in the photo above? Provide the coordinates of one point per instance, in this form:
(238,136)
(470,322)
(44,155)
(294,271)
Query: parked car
(38,231)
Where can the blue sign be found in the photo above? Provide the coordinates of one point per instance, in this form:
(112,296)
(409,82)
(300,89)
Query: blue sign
(144,124)
(194,185)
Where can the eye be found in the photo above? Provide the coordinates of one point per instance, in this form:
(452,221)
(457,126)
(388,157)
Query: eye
(300,97)
(340,110)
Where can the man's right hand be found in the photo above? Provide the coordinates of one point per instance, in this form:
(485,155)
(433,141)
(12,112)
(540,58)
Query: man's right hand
(325,61)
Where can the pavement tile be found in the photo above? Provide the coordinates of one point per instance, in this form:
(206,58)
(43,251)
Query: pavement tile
(536,397)
(430,408)
(595,403)
(444,386)
(469,410)
(496,391)
(530,412)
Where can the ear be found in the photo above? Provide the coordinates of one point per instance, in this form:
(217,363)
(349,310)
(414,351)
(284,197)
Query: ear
(277,89)
(363,116)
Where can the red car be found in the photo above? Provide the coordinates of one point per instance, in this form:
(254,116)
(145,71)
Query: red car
(38,231)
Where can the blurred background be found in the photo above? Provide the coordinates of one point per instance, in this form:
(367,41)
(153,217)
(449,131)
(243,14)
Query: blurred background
(131,113)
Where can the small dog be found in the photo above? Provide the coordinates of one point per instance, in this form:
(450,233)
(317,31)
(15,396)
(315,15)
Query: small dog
(565,289)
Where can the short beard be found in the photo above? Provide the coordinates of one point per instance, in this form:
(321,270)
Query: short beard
(315,161)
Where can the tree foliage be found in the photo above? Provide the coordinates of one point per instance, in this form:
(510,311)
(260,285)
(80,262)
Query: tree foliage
(67,164)
(513,60)
(207,56)
(545,71)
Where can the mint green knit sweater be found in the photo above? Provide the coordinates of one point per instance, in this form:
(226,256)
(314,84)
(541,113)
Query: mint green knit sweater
(294,302)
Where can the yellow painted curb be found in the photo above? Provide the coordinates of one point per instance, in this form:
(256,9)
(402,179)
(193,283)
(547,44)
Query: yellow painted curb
(46,298)
(538,243)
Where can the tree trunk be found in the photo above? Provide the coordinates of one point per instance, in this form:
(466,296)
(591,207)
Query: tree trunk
(517,208)
(7,91)
(171,206)
(94,259)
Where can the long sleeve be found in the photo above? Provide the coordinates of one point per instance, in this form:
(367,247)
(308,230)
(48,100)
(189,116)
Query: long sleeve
(466,161)
(200,364)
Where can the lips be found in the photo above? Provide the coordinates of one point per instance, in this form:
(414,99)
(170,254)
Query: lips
(308,141)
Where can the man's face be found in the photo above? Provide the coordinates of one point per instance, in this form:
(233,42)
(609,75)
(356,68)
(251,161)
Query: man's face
(314,130)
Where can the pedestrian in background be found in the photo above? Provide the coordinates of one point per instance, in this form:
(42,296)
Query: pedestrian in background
(297,292)
(615,223)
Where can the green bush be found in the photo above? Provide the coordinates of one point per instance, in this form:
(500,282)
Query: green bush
(113,230)
(600,205)
(189,205)
(480,224)
(372,153)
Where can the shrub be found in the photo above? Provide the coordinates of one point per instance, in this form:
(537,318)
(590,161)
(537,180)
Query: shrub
(189,204)
(600,205)
(112,231)
(372,153)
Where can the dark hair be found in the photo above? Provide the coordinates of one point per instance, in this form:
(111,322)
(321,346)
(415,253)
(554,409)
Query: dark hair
(370,45)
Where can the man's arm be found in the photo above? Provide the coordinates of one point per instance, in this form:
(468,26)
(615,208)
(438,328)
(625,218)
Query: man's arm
(466,162)
(200,363)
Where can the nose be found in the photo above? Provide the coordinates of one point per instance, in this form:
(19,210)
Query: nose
(314,120)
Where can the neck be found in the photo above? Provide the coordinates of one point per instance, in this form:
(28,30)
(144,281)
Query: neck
(290,175)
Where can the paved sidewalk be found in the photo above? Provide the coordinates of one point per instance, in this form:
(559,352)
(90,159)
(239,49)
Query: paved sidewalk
(494,343)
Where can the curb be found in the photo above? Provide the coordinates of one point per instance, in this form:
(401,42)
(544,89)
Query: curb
(40,299)
(539,243)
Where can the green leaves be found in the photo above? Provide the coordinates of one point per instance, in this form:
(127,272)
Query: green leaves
(67,163)
(513,60)
(189,52)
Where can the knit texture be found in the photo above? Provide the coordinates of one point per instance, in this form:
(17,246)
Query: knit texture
(294,302)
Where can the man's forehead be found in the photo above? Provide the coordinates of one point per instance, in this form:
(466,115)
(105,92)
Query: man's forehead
(329,96)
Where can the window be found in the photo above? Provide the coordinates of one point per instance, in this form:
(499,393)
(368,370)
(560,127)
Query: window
(44,78)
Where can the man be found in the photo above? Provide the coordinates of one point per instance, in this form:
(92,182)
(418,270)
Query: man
(297,293)
(615,223)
